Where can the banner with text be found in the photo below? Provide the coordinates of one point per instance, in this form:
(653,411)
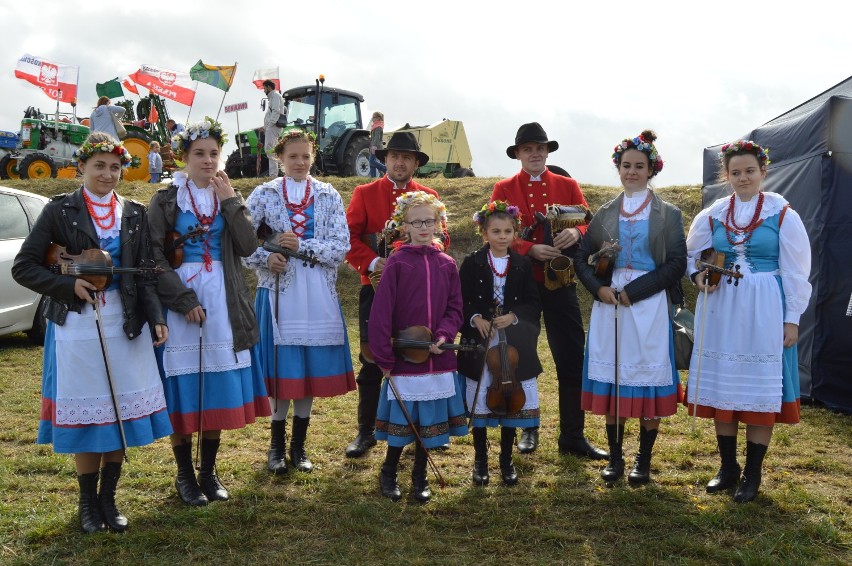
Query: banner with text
(58,81)
(173,85)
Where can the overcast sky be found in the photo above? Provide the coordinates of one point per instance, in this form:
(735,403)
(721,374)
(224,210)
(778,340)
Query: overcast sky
(699,73)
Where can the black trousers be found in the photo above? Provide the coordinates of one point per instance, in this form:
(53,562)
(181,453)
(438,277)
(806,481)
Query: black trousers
(369,378)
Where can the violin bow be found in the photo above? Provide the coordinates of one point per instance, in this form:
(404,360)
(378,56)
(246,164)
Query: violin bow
(700,353)
(617,374)
(200,392)
(414,429)
(108,368)
(481,370)
(275,346)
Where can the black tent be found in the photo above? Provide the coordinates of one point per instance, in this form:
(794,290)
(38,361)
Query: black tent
(811,166)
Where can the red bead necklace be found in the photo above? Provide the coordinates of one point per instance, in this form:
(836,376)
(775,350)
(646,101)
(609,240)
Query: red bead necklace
(99,220)
(207,223)
(642,207)
(732,229)
(494,269)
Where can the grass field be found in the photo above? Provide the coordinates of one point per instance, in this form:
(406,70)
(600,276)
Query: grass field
(560,513)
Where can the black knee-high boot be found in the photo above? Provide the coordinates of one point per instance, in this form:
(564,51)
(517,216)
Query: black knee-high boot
(641,472)
(419,482)
(387,477)
(185,482)
(480,459)
(507,466)
(615,469)
(276,462)
(298,457)
(106,495)
(729,473)
(207,478)
(89,510)
(747,490)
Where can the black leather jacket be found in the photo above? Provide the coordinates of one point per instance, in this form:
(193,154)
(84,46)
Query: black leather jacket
(66,222)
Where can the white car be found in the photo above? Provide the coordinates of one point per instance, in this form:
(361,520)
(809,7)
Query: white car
(20,308)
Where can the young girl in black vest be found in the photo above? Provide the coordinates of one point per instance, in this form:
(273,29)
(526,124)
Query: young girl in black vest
(496,277)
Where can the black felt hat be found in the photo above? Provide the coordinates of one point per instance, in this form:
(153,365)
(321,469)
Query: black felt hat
(532,132)
(403,141)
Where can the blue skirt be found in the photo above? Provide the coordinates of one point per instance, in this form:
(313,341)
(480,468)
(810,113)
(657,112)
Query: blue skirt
(99,438)
(303,371)
(436,420)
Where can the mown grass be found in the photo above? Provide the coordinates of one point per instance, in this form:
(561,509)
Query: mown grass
(560,513)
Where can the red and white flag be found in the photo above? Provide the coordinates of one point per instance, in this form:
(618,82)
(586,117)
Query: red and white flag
(128,84)
(173,85)
(266,75)
(58,81)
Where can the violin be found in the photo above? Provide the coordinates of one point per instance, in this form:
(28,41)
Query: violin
(93,265)
(412,344)
(267,239)
(504,396)
(173,244)
(714,263)
(603,260)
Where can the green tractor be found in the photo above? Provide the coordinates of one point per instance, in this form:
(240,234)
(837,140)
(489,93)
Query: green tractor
(140,134)
(44,147)
(333,114)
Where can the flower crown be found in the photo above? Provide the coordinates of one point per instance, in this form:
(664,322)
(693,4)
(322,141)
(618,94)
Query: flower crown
(746,146)
(297,133)
(641,144)
(203,129)
(496,206)
(416,198)
(88,149)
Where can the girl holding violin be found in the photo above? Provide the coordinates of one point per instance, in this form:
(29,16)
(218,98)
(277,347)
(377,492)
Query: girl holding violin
(207,365)
(749,369)
(502,307)
(419,287)
(629,369)
(78,409)
(304,349)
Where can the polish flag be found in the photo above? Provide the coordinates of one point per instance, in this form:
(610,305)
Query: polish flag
(266,74)
(56,80)
(128,84)
(173,85)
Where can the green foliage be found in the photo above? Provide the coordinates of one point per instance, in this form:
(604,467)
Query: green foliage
(560,513)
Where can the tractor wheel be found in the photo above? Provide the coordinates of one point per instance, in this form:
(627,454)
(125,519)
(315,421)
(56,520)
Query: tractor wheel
(37,166)
(356,159)
(9,168)
(234,165)
(250,166)
(463,172)
(138,144)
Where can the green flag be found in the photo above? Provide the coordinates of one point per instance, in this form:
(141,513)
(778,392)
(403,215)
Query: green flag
(111,89)
(214,75)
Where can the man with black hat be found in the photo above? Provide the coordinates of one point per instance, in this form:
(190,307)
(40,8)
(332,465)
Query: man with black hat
(369,211)
(532,190)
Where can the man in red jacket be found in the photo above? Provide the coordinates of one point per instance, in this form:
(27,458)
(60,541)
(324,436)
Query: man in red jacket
(370,208)
(532,190)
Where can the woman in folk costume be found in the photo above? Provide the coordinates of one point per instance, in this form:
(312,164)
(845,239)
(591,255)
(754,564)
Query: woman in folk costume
(303,328)
(207,365)
(78,409)
(419,286)
(744,367)
(630,324)
(497,276)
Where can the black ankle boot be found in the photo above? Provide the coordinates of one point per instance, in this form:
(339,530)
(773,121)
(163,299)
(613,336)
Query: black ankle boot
(387,477)
(747,490)
(529,440)
(89,510)
(480,459)
(185,482)
(276,462)
(729,473)
(298,457)
(507,467)
(368,401)
(207,478)
(419,483)
(109,481)
(641,472)
(615,469)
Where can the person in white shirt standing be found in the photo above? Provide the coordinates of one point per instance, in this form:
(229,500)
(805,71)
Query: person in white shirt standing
(275,114)
(155,162)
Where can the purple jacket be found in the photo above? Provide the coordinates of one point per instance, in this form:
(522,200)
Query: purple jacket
(420,286)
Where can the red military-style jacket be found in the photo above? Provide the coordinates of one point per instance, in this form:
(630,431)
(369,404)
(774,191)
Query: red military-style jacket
(534,196)
(370,208)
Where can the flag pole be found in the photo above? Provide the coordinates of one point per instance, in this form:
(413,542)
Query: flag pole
(195,90)
(230,82)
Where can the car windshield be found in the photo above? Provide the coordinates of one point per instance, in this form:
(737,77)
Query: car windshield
(338,113)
